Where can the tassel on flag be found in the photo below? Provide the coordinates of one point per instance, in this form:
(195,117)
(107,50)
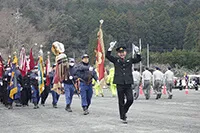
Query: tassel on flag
(48,64)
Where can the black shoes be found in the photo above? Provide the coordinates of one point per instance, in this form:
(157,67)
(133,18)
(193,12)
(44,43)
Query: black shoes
(124,119)
(170,97)
(10,106)
(68,108)
(147,96)
(35,106)
(85,111)
(18,105)
(55,106)
(158,96)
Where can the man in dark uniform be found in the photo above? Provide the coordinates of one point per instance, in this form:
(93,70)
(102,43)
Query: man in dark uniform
(123,77)
(86,73)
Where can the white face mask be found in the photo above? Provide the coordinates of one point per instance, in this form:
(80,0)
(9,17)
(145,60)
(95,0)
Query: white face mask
(71,64)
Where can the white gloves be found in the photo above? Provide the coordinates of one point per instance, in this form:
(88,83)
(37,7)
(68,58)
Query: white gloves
(112,45)
(70,77)
(1,83)
(91,68)
(62,85)
(9,74)
(137,50)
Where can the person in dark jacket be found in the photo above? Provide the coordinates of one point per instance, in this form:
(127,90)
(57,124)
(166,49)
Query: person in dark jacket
(123,77)
(6,83)
(26,91)
(69,84)
(86,73)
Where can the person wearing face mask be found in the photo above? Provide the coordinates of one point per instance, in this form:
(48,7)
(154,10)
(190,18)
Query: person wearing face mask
(86,73)
(69,84)
(123,77)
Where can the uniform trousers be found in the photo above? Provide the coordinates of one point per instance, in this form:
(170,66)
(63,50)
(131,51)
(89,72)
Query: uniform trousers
(122,91)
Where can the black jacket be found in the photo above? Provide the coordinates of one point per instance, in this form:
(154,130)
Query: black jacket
(82,72)
(123,69)
(72,72)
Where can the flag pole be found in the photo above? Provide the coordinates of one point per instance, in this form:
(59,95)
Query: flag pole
(140,43)
(133,53)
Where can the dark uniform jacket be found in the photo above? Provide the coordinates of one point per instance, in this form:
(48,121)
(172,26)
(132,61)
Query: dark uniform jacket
(72,72)
(34,80)
(123,68)
(82,72)
(26,81)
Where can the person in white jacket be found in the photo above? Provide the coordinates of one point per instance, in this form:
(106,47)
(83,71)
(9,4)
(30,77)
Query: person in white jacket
(158,82)
(169,82)
(146,82)
(136,78)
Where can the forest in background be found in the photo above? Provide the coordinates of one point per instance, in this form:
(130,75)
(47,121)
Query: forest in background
(170,27)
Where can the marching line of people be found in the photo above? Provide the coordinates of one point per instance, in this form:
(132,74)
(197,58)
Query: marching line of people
(81,79)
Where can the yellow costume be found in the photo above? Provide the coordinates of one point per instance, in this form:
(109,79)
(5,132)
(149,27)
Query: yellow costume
(109,81)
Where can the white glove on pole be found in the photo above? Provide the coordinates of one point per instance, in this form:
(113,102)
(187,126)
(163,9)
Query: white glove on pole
(112,45)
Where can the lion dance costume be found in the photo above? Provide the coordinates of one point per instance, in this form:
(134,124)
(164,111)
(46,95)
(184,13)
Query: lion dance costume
(62,66)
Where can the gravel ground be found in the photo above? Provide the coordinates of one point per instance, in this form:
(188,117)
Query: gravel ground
(179,115)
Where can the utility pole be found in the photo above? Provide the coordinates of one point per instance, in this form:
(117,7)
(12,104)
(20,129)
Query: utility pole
(17,16)
(148,55)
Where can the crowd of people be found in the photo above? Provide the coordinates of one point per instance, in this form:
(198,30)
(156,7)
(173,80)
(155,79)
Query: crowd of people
(81,78)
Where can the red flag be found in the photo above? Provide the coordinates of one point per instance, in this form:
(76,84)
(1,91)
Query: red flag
(100,60)
(31,63)
(48,71)
(1,67)
(24,69)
